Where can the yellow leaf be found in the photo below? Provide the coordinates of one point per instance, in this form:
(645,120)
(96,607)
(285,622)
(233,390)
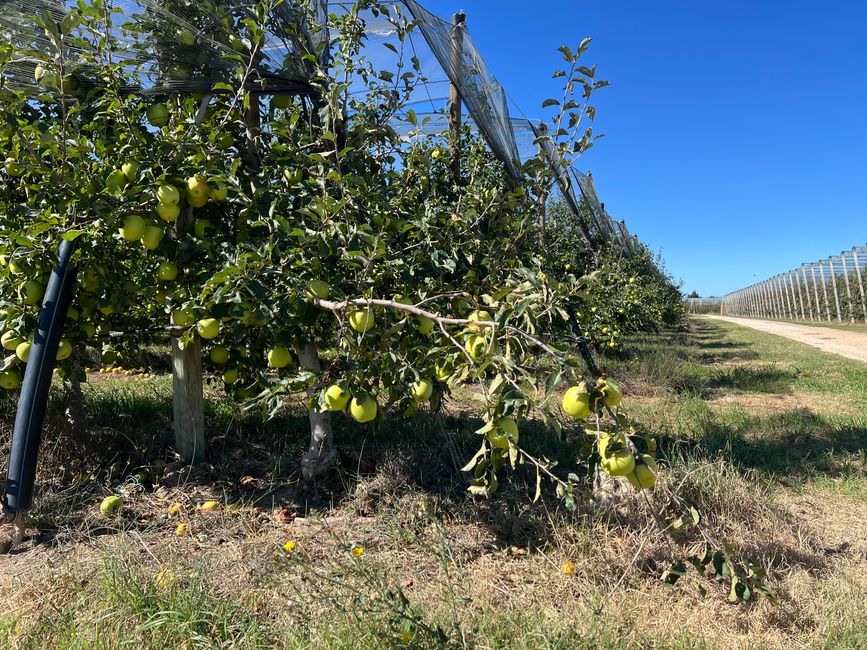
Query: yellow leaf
(181,529)
(207,506)
(175,509)
(568,568)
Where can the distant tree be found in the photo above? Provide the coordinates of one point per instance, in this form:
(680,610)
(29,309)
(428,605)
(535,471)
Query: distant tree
(694,294)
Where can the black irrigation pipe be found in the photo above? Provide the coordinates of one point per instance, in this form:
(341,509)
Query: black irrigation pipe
(32,402)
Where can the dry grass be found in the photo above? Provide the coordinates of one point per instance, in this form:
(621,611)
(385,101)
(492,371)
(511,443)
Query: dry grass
(447,570)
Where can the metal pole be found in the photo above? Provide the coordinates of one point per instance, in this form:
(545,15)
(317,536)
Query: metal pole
(807,291)
(836,293)
(860,283)
(815,292)
(784,290)
(825,290)
(848,287)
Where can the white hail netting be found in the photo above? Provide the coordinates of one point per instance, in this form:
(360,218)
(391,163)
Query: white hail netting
(187,46)
(848,266)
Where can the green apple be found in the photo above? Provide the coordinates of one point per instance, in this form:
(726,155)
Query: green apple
(197,185)
(208,328)
(320,289)
(278,357)
(10,340)
(133,228)
(197,200)
(424,325)
(107,309)
(476,346)
(220,354)
(363,410)
(183,318)
(111,506)
(201,227)
(336,398)
(219,192)
(14,168)
(618,463)
(611,393)
(168,195)
(10,379)
(225,141)
(157,115)
(643,477)
(72,314)
(23,351)
(616,459)
(129,169)
(281,101)
(576,401)
(168,211)
(64,350)
(361,320)
(230,376)
(87,329)
(422,390)
(152,237)
(167,271)
(116,181)
(15,268)
(478,315)
(32,292)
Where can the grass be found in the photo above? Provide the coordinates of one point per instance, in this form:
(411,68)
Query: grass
(765,436)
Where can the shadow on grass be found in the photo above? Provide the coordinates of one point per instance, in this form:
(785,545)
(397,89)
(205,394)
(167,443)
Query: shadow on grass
(793,445)
(767,379)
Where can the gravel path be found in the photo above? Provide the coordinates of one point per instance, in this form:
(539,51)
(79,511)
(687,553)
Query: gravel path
(852,345)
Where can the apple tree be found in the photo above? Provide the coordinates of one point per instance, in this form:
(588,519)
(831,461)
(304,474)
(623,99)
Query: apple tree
(306,245)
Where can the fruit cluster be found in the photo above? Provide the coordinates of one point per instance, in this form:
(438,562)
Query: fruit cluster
(617,456)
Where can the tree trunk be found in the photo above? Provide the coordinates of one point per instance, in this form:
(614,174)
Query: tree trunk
(320,455)
(73,414)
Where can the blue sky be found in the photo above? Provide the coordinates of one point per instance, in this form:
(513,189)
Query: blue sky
(735,132)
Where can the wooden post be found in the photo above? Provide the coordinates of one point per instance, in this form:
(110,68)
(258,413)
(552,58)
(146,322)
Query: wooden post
(836,293)
(455,101)
(848,287)
(860,283)
(825,291)
(188,401)
(188,406)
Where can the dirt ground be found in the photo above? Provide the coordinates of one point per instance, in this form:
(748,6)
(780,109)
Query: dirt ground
(852,345)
